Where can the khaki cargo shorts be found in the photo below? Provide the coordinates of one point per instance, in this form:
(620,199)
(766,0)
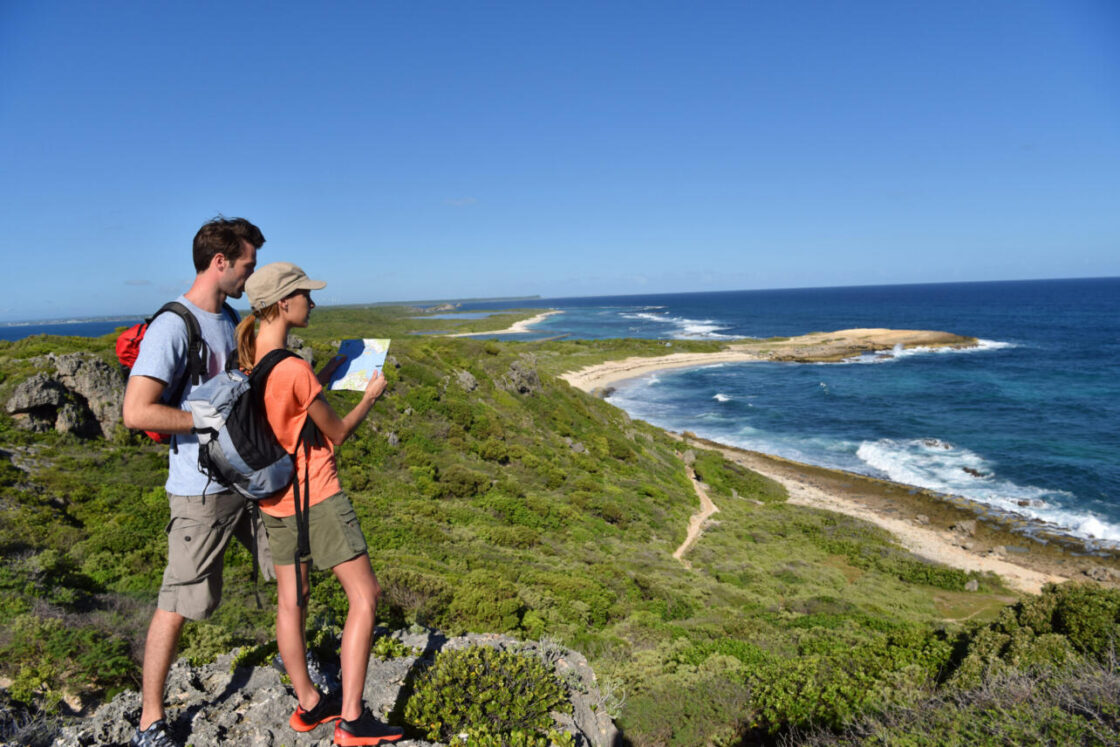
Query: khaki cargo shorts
(335,534)
(197,536)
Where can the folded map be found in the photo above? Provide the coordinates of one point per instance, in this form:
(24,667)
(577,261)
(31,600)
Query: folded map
(363,358)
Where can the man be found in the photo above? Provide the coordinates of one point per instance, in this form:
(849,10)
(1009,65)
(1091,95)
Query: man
(204,516)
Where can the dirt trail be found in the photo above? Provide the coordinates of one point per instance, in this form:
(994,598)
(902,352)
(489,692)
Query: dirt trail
(696,521)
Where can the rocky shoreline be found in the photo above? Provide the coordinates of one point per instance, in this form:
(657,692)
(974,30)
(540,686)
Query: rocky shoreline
(947,529)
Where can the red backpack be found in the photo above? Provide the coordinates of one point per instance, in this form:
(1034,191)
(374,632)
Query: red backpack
(198,354)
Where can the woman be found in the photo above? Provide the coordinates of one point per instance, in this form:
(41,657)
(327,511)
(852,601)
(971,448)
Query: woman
(280,297)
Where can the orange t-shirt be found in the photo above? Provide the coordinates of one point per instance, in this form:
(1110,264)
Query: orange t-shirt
(290,390)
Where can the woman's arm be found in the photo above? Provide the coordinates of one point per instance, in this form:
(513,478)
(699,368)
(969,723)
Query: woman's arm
(336,428)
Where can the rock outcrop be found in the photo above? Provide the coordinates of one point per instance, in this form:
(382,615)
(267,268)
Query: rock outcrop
(219,704)
(81,395)
(466,381)
(522,377)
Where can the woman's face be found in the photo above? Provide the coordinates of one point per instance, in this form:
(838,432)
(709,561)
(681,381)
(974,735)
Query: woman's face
(299,308)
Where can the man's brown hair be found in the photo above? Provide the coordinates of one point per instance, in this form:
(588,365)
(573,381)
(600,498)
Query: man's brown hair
(224,236)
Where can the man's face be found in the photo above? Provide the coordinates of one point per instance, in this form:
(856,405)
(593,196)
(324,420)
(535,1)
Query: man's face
(234,276)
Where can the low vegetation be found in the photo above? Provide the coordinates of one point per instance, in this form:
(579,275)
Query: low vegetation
(496,498)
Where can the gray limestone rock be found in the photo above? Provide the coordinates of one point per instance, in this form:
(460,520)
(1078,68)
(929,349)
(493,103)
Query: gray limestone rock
(522,377)
(297,346)
(1103,574)
(217,704)
(967,527)
(83,396)
(99,384)
(467,381)
(39,391)
(78,420)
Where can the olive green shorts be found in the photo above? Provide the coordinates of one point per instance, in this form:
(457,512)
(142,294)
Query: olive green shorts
(334,532)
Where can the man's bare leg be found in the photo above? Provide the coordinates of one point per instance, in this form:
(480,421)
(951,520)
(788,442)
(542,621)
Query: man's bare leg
(159,652)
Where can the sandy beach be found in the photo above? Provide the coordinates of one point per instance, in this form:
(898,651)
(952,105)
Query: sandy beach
(518,327)
(931,526)
(817,347)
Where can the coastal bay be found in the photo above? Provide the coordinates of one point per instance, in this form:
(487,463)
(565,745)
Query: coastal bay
(902,510)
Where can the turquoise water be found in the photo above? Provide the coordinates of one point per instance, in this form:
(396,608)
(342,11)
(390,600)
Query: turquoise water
(1028,422)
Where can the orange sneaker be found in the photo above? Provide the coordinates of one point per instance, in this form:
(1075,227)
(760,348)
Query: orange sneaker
(365,730)
(327,709)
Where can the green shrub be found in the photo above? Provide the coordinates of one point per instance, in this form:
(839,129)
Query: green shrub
(203,641)
(495,697)
(493,450)
(485,602)
(458,481)
(412,597)
(1076,707)
(47,659)
(1042,633)
(728,478)
(385,648)
(1088,615)
(422,398)
(838,677)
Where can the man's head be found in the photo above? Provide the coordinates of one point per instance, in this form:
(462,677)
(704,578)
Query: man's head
(228,248)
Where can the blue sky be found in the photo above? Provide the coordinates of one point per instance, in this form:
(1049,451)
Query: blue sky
(420,150)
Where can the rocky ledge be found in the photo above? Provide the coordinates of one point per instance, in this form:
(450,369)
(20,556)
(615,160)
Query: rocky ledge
(219,703)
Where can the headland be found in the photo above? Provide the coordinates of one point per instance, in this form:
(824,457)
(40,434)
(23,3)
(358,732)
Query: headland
(815,347)
(516,328)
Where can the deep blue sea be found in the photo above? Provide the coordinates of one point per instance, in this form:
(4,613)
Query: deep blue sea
(1028,422)
(76,328)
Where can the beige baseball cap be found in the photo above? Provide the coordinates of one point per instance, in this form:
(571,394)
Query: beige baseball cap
(277,280)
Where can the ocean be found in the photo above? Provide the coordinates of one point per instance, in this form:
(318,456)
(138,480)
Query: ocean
(75,328)
(1028,422)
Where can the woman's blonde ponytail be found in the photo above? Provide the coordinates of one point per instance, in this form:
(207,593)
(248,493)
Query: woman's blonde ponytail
(247,341)
(247,335)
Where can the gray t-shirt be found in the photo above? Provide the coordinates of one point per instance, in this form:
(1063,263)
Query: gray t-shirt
(163,356)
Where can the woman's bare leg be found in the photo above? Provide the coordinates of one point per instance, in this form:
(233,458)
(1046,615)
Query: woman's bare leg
(291,624)
(362,590)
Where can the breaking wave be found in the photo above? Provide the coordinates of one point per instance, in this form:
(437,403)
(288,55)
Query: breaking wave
(898,352)
(945,468)
(683,328)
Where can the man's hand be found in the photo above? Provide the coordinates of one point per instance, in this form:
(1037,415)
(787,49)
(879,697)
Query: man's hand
(329,368)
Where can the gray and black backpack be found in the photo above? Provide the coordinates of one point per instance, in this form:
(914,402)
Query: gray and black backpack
(236,445)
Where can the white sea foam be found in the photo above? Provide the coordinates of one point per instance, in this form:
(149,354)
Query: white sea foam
(683,328)
(943,467)
(898,352)
(721,397)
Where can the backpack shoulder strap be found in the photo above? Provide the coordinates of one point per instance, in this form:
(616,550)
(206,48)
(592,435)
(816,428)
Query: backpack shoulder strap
(268,362)
(195,348)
